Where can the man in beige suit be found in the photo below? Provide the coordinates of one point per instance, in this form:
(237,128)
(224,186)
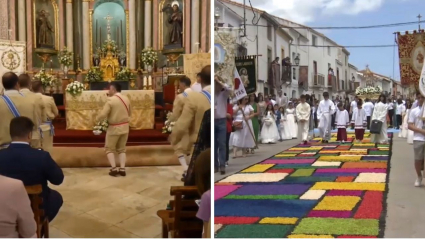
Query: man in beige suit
(16,217)
(182,148)
(13,104)
(117,111)
(24,85)
(48,131)
(194,108)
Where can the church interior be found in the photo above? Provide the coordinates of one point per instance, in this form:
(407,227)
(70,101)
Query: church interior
(145,46)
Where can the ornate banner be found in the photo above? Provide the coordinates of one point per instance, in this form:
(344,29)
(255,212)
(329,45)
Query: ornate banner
(81,111)
(193,64)
(411,51)
(224,56)
(12,58)
(246,68)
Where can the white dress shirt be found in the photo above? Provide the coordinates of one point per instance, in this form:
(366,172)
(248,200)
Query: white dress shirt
(220,99)
(196,87)
(368,108)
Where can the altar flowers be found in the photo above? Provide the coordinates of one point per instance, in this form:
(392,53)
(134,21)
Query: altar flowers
(46,79)
(149,56)
(100,127)
(95,74)
(124,75)
(75,88)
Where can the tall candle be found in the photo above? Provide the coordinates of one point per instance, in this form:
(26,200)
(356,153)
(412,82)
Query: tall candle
(100,42)
(96,30)
(150,81)
(145,81)
(121,33)
(118,39)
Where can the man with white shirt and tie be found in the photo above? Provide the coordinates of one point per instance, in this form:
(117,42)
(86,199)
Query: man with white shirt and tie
(222,92)
(13,104)
(368,109)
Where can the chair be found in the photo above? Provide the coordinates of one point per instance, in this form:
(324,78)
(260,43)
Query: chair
(34,192)
(181,219)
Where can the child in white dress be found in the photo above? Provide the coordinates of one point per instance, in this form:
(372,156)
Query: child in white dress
(269,132)
(289,122)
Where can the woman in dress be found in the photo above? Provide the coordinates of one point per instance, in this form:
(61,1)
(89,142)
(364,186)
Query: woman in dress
(380,113)
(243,138)
(269,132)
(403,128)
(289,122)
(255,123)
(261,105)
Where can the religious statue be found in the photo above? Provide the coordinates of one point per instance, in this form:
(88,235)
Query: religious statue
(274,74)
(45,31)
(420,58)
(96,60)
(175,19)
(286,70)
(122,59)
(244,76)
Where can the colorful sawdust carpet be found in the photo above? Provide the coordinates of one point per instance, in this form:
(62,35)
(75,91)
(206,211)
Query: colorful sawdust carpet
(329,190)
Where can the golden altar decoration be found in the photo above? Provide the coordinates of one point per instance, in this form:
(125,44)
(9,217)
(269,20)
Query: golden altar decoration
(81,111)
(193,64)
(109,65)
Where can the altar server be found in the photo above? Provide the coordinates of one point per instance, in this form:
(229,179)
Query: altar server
(117,111)
(359,119)
(47,129)
(325,110)
(303,111)
(13,104)
(182,148)
(24,85)
(342,121)
(380,113)
(193,111)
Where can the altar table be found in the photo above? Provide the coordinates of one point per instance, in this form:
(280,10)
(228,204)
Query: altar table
(81,110)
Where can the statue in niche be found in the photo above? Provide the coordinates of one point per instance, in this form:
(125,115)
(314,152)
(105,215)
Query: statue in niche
(45,31)
(122,59)
(286,70)
(175,21)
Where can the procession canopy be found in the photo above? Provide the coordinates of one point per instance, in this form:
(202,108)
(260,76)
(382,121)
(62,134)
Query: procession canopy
(411,50)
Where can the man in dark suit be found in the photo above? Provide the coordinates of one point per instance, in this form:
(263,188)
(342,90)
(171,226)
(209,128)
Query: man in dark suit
(31,166)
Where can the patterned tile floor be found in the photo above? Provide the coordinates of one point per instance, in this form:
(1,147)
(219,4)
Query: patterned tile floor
(321,190)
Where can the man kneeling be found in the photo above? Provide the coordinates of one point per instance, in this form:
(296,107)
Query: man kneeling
(31,166)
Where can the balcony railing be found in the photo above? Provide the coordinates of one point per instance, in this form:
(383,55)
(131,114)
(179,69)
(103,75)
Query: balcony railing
(318,80)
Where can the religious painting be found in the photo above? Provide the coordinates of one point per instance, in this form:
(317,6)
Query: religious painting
(411,50)
(46,25)
(247,72)
(171,24)
(224,65)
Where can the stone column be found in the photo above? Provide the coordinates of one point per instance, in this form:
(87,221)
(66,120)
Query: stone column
(69,26)
(86,35)
(133,32)
(148,23)
(21,21)
(194,26)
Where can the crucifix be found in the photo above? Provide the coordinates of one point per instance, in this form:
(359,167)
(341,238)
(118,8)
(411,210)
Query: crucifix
(108,26)
(419,21)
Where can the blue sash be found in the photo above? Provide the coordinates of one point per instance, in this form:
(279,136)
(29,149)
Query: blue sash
(207,94)
(52,128)
(11,106)
(184,94)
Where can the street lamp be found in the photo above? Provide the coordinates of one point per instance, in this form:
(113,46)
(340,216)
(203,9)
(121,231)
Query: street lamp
(297,60)
(216,17)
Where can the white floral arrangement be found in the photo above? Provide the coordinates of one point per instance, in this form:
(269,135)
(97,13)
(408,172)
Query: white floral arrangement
(65,57)
(168,128)
(149,56)
(45,78)
(95,74)
(369,90)
(101,126)
(75,88)
(124,75)
(111,45)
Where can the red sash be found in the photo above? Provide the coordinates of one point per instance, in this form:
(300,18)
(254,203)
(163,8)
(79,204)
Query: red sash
(126,107)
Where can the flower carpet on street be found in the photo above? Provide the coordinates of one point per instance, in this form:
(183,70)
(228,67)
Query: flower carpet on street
(320,190)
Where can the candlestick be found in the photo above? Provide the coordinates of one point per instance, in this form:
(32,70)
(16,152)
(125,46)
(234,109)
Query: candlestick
(118,39)
(121,33)
(150,82)
(100,42)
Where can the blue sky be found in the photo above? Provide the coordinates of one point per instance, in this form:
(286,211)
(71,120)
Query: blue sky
(354,13)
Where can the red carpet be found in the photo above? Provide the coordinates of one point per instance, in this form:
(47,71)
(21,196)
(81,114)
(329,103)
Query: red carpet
(86,138)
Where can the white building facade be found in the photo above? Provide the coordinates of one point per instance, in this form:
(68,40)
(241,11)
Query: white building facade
(270,36)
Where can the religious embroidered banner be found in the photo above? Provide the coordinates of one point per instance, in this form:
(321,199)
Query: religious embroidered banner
(411,51)
(247,72)
(12,58)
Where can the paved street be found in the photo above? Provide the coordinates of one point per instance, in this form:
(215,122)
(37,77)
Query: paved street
(405,202)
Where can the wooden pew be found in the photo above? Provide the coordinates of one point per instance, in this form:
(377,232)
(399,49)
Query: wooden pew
(34,193)
(181,220)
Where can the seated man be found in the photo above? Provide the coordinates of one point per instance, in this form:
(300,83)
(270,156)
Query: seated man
(31,166)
